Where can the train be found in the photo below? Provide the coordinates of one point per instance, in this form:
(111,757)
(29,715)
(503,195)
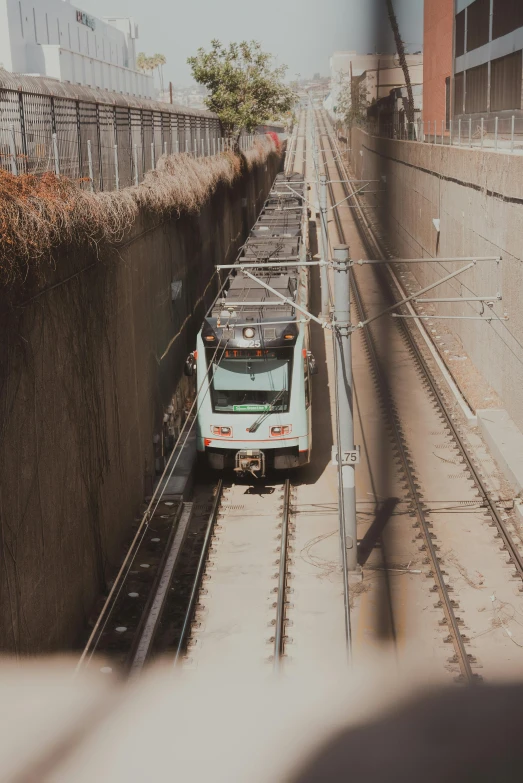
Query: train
(253,363)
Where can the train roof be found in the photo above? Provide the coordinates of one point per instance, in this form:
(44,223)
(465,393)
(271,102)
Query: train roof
(271,318)
(270,307)
(277,236)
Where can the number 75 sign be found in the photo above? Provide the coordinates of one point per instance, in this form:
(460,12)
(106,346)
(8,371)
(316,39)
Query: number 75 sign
(347,457)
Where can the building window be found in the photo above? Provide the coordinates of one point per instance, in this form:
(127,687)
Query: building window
(476,89)
(478,24)
(21,18)
(507,16)
(34,24)
(505,82)
(460,33)
(447,103)
(459,92)
(47,28)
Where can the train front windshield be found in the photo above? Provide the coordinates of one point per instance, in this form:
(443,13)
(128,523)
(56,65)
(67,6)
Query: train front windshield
(250,381)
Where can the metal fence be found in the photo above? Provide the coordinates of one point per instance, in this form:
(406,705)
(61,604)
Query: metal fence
(498,133)
(106,146)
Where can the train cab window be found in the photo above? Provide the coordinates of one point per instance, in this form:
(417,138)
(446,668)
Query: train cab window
(251,384)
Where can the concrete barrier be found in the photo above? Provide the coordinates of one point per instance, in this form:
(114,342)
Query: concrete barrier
(89,360)
(477,197)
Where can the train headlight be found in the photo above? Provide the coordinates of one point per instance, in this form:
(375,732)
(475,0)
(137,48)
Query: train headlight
(279,431)
(249,333)
(222,432)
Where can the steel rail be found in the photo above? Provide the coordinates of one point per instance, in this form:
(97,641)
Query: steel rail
(199,572)
(455,633)
(279,636)
(506,537)
(153,613)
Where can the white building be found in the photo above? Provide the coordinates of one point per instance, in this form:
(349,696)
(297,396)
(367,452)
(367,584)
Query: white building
(54,38)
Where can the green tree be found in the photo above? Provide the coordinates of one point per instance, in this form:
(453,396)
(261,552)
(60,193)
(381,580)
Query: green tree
(141,62)
(244,89)
(159,61)
(156,62)
(353,102)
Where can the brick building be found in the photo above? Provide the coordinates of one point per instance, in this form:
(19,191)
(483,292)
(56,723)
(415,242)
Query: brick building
(438,30)
(488,53)
(473,60)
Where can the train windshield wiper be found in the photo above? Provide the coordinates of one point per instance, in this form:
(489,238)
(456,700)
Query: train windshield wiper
(271,408)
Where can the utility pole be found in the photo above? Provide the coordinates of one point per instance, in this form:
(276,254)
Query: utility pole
(347,456)
(325,245)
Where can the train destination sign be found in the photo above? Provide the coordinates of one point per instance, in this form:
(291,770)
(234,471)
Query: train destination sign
(251,408)
(243,353)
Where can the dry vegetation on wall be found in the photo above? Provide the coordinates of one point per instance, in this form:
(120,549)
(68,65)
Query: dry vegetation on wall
(39,213)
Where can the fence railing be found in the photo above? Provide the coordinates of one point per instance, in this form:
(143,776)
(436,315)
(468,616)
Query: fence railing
(501,134)
(103,145)
(97,166)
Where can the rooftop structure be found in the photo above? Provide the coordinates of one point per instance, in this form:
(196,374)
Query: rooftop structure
(379,74)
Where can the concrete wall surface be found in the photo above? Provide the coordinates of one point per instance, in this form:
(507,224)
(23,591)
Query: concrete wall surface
(478,198)
(87,365)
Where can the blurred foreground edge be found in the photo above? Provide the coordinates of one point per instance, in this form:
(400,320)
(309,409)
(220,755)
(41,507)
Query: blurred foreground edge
(230,726)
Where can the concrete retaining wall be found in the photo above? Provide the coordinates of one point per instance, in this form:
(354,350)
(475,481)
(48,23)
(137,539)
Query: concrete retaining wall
(87,366)
(478,198)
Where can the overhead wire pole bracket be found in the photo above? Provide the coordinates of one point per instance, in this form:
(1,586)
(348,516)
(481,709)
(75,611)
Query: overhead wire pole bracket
(268,263)
(288,300)
(413,296)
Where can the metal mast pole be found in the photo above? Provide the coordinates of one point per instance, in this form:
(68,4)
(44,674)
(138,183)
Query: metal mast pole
(325,246)
(347,456)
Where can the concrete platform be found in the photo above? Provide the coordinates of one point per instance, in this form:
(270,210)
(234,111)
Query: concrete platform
(505,441)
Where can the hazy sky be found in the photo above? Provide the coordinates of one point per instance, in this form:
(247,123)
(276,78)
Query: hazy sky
(301,33)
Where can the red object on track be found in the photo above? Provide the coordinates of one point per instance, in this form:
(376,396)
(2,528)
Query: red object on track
(276,139)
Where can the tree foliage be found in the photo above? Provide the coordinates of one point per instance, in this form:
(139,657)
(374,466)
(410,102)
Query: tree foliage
(244,88)
(353,102)
(157,61)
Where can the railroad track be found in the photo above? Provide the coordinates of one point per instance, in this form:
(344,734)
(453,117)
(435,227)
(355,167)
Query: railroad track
(156,603)
(238,605)
(395,413)
(251,540)
(292,153)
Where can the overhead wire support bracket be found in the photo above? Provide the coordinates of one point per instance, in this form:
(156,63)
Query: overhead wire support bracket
(351,195)
(487,317)
(268,263)
(413,296)
(237,305)
(496,298)
(289,301)
(295,192)
(476,259)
